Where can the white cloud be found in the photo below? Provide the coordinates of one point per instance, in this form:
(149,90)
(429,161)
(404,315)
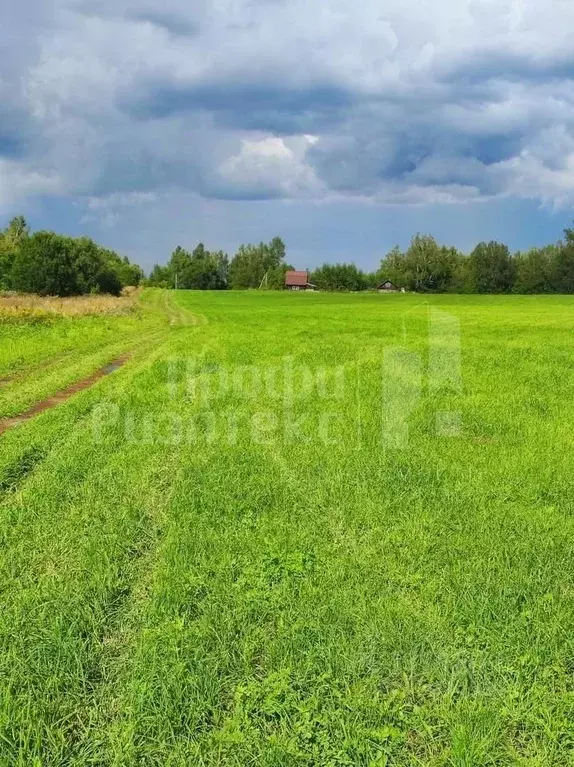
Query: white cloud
(447,100)
(273,165)
(18,181)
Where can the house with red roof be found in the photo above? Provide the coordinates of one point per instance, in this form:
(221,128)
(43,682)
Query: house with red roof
(298,281)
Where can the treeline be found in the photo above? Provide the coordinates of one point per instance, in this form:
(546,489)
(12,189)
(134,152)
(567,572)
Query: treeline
(424,267)
(253,266)
(427,267)
(51,264)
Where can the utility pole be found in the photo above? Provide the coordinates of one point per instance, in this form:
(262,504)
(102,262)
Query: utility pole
(176,280)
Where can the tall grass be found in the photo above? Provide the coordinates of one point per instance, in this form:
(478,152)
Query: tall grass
(25,307)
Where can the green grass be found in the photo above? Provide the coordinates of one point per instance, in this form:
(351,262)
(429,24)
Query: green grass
(37,359)
(177,590)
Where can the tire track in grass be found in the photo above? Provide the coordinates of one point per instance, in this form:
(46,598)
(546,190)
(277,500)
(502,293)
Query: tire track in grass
(22,389)
(14,474)
(210,674)
(63,395)
(49,431)
(115,361)
(76,537)
(161,692)
(179,315)
(82,525)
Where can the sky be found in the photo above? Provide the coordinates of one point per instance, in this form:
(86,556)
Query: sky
(343,127)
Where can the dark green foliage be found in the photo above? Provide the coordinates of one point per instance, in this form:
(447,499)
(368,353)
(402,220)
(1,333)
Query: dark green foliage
(535,270)
(425,267)
(44,264)
(200,270)
(159,277)
(339,277)
(491,268)
(10,240)
(53,264)
(563,267)
(127,273)
(7,253)
(276,277)
(253,263)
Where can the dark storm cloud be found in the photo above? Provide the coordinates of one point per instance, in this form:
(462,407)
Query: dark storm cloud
(255,100)
(163,100)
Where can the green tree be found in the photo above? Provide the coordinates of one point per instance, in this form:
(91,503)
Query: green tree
(535,270)
(10,240)
(221,262)
(393,267)
(252,263)
(51,264)
(177,266)
(425,267)
(205,270)
(200,270)
(159,277)
(276,277)
(44,264)
(429,266)
(563,265)
(339,277)
(17,231)
(93,272)
(491,268)
(7,255)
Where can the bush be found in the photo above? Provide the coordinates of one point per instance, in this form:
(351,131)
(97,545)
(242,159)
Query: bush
(51,264)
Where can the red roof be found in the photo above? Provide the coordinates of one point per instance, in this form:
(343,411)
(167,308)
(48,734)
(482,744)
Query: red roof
(296,278)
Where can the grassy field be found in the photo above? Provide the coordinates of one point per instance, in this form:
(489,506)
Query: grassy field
(291,530)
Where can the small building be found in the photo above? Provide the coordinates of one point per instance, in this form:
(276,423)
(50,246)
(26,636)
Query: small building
(298,281)
(387,287)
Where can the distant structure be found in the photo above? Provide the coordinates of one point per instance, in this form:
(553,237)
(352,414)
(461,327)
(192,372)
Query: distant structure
(298,281)
(388,287)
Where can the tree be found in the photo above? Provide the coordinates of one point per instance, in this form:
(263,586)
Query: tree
(200,270)
(252,262)
(563,267)
(535,270)
(339,277)
(221,265)
(205,270)
(177,266)
(491,268)
(393,267)
(431,267)
(52,264)
(127,273)
(10,239)
(95,268)
(276,277)
(44,264)
(159,277)
(17,231)
(7,255)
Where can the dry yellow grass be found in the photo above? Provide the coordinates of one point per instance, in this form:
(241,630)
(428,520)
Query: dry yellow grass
(29,307)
